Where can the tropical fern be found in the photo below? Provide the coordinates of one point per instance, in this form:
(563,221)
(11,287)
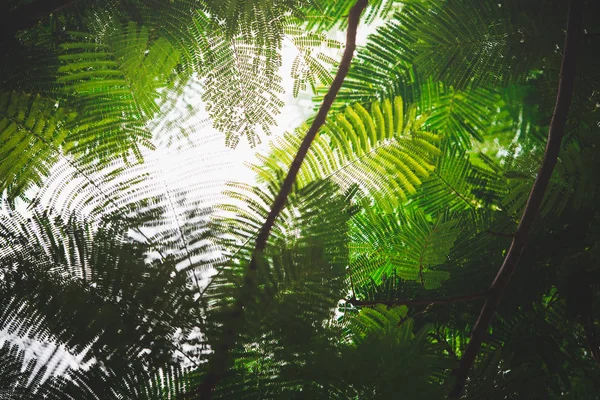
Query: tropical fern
(308,65)
(457,185)
(391,334)
(242,86)
(571,183)
(410,56)
(463,115)
(300,280)
(273,350)
(250,18)
(52,268)
(357,147)
(475,51)
(98,70)
(404,244)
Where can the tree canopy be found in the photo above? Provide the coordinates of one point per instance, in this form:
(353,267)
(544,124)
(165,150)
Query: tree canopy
(431,231)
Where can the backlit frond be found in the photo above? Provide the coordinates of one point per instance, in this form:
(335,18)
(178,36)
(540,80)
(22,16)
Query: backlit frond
(382,152)
(112,79)
(242,85)
(32,133)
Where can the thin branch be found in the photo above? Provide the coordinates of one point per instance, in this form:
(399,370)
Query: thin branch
(592,338)
(220,361)
(557,128)
(418,302)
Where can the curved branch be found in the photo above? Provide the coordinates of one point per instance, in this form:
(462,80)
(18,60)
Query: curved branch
(536,196)
(418,302)
(220,361)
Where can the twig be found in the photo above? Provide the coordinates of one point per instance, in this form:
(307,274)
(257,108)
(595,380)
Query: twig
(418,302)
(536,196)
(220,360)
(592,339)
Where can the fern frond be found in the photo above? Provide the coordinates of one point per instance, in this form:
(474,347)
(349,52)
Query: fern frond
(131,303)
(358,147)
(465,116)
(431,57)
(242,85)
(457,185)
(299,281)
(382,69)
(469,51)
(113,79)
(441,42)
(32,128)
(571,184)
(386,69)
(253,18)
(373,366)
(311,65)
(17,365)
(378,320)
(402,243)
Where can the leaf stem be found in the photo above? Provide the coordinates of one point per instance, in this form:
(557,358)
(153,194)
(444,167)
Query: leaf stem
(418,302)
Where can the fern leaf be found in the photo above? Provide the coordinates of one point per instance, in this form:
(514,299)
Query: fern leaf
(407,245)
(242,85)
(32,134)
(114,80)
(361,148)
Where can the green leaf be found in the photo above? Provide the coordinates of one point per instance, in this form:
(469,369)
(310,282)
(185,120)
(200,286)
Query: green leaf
(32,133)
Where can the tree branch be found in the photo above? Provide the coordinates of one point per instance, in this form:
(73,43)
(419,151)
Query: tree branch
(220,360)
(592,338)
(418,302)
(557,127)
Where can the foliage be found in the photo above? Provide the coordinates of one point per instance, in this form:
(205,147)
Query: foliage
(361,147)
(113,285)
(31,128)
